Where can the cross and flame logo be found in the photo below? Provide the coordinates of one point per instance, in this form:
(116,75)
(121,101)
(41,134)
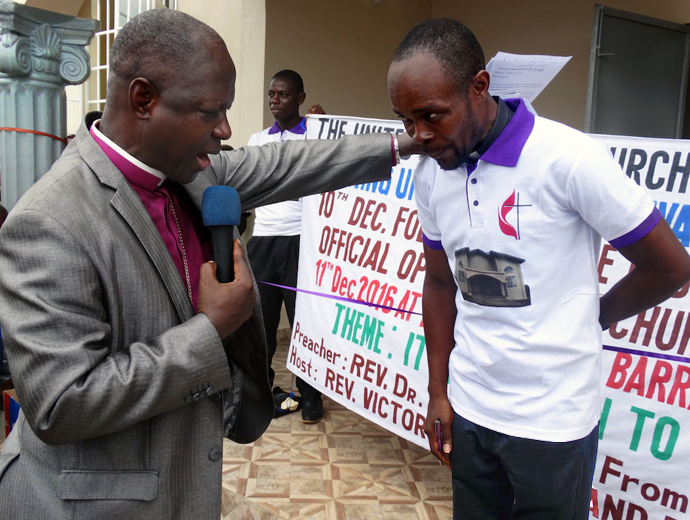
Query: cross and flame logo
(512,202)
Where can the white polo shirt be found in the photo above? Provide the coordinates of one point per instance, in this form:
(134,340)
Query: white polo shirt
(282,218)
(522,236)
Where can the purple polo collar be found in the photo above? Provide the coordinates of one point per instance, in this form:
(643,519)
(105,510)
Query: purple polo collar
(135,171)
(299,128)
(506,149)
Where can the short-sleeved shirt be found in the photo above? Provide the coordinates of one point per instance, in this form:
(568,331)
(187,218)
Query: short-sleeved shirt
(282,218)
(522,235)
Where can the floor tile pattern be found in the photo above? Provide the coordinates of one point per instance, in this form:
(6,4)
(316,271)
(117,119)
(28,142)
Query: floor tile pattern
(342,468)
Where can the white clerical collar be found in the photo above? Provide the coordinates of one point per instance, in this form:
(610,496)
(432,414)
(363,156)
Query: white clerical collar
(127,156)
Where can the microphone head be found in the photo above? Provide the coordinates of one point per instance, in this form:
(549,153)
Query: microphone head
(220,206)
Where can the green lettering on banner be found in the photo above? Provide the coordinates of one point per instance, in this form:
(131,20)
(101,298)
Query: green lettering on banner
(639,424)
(410,341)
(337,318)
(371,333)
(604,417)
(372,329)
(672,438)
(348,324)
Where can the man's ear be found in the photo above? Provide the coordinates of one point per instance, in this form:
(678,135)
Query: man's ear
(142,94)
(301,98)
(479,86)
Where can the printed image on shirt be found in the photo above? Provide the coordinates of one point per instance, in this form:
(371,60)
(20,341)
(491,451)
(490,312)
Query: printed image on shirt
(491,279)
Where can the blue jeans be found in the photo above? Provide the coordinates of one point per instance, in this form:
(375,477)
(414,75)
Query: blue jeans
(497,476)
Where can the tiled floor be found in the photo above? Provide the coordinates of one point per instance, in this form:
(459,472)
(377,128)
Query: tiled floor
(343,468)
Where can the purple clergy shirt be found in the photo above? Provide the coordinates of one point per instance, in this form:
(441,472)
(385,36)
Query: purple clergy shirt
(156,192)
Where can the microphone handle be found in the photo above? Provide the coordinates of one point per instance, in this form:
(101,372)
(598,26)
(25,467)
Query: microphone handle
(222,241)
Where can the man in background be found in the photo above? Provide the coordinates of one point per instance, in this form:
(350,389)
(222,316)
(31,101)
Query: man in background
(130,360)
(512,314)
(273,250)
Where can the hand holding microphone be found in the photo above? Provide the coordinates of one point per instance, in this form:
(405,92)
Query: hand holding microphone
(226,289)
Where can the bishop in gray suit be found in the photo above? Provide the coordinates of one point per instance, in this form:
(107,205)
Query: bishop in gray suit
(131,361)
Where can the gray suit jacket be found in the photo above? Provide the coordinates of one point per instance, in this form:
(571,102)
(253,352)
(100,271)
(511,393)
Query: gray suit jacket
(123,389)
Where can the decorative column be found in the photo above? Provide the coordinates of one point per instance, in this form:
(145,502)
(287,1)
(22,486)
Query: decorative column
(40,53)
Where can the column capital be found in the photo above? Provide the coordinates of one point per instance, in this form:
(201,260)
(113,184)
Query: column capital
(43,45)
(40,52)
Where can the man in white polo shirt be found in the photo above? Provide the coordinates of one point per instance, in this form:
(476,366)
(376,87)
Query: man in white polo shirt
(273,249)
(513,207)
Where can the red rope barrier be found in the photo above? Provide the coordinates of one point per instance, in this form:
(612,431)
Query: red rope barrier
(25,131)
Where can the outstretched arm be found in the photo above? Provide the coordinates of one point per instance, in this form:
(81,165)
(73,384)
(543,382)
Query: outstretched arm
(438,308)
(662,266)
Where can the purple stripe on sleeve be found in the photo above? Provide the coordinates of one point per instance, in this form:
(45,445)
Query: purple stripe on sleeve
(432,244)
(640,231)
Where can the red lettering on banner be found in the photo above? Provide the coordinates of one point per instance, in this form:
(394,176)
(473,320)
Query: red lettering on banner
(634,508)
(609,511)
(649,491)
(636,380)
(361,210)
(664,339)
(668,345)
(680,384)
(339,384)
(373,262)
(315,346)
(594,504)
(615,333)
(606,469)
(686,337)
(300,363)
(618,371)
(605,260)
(412,227)
(662,372)
(381,405)
(402,389)
(368,367)
(405,305)
(648,325)
(342,285)
(411,264)
(343,245)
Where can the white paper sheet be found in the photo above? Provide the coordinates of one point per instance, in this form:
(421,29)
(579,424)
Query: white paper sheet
(522,75)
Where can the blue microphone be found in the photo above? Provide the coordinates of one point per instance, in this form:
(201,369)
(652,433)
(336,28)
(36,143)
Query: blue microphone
(221,210)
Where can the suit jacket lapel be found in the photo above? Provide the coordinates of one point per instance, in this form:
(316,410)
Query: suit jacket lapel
(128,204)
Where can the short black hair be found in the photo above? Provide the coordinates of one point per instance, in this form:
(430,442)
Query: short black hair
(293,77)
(454,46)
(157,44)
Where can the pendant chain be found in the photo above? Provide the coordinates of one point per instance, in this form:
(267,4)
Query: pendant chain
(184,253)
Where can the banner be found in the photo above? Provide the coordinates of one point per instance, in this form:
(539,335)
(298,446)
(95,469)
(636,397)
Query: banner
(364,243)
(644,447)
